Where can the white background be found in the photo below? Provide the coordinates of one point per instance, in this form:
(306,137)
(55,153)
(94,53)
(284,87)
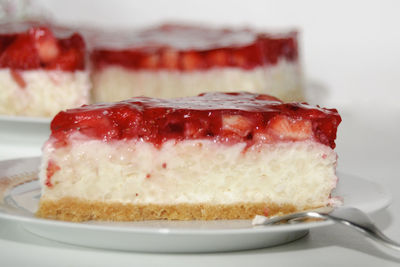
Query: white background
(350,48)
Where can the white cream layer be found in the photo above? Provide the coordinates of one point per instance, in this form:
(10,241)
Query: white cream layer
(114,83)
(199,171)
(45,93)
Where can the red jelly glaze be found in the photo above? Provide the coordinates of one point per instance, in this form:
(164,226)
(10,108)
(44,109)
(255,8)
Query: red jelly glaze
(263,50)
(22,50)
(220,117)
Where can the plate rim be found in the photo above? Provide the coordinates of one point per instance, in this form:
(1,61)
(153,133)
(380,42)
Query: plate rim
(24,119)
(256,229)
(183,231)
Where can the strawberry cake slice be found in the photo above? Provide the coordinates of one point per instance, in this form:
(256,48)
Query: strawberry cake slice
(214,156)
(39,73)
(175,61)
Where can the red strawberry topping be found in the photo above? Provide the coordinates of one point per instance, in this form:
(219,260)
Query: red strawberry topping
(38,48)
(192,61)
(170,59)
(221,117)
(218,58)
(215,48)
(20,54)
(150,61)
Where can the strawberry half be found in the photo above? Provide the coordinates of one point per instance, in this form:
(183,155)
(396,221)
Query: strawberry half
(69,60)
(169,59)
(218,58)
(195,129)
(21,54)
(72,55)
(98,125)
(191,61)
(45,43)
(237,124)
(284,128)
(238,59)
(150,61)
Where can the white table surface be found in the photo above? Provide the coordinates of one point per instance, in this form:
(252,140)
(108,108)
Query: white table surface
(367,145)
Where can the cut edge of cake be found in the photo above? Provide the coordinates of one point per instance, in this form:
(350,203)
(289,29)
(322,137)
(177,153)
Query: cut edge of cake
(193,179)
(282,80)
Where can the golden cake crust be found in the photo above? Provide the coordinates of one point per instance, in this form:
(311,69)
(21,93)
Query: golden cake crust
(74,209)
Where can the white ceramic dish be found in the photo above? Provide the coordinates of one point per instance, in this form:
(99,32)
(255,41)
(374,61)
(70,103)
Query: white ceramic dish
(20,195)
(15,128)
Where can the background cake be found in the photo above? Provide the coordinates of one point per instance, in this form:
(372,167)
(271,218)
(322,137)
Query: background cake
(180,60)
(41,72)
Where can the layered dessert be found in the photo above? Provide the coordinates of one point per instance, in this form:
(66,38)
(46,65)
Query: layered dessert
(41,73)
(213,156)
(175,61)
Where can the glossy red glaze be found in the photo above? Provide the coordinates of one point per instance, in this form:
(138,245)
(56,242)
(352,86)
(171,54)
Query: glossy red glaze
(37,48)
(189,48)
(222,117)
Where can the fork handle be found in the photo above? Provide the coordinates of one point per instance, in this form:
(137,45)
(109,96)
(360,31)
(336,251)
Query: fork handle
(380,237)
(358,220)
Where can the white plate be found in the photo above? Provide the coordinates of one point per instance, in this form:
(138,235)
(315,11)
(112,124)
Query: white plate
(14,140)
(20,201)
(18,126)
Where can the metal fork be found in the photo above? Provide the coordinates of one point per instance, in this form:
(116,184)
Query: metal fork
(352,217)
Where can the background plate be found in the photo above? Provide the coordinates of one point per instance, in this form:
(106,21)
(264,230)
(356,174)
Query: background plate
(20,195)
(22,136)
